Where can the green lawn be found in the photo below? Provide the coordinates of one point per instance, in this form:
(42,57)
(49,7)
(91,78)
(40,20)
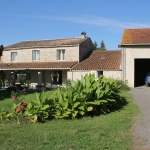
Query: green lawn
(105,132)
(7,102)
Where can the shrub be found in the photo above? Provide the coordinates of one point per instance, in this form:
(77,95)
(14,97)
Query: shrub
(18,96)
(124,85)
(36,110)
(68,83)
(86,96)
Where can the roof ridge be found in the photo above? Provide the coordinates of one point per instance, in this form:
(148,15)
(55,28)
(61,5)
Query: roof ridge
(51,39)
(107,50)
(47,43)
(136,28)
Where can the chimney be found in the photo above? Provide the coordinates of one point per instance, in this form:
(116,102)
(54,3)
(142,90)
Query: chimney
(83,35)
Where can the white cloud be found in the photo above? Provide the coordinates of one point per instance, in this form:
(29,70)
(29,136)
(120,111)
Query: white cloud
(93,20)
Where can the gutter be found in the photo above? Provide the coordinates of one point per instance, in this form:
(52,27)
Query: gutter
(34,68)
(140,44)
(72,68)
(102,69)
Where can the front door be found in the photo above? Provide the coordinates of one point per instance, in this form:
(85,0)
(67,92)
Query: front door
(56,77)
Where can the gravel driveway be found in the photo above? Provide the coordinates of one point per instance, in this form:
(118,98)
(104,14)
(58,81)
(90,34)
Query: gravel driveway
(141,127)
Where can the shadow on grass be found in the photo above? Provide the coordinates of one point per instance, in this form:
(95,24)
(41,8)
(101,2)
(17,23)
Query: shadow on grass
(5,94)
(120,103)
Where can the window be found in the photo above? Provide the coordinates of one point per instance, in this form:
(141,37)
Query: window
(14,56)
(28,76)
(36,55)
(61,54)
(100,73)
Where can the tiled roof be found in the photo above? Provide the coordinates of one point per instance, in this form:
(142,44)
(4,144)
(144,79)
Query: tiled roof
(46,43)
(136,36)
(101,60)
(37,65)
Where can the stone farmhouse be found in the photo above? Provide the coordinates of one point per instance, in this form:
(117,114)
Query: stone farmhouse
(38,63)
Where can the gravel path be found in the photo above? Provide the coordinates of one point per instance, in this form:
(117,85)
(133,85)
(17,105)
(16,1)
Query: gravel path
(141,133)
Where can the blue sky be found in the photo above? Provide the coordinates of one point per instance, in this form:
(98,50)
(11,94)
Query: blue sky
(105,20)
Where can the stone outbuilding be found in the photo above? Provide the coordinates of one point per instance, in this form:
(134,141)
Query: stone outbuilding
(135,49)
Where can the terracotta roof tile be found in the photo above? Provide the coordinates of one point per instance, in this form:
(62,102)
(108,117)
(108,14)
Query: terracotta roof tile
(47,43)
(101,60)
(136,36)
(38,65)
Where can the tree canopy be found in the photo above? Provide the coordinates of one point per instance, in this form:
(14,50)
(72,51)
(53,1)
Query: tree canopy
(95,45)
(102,46)
(1,50)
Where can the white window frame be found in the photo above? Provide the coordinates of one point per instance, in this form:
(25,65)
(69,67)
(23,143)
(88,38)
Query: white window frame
(14,56)
(35,56)
(60,54)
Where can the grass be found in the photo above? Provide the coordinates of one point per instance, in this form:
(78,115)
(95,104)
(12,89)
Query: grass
(105,132)
(7,102)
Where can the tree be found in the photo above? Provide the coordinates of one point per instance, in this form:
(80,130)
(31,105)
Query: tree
(102,46)
(1,50)
(95,45)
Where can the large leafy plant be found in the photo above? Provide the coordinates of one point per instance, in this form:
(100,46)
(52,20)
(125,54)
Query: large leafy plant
(68,104)
(99,94)
(37,110)
(87,95)
(80,98)
(5,115)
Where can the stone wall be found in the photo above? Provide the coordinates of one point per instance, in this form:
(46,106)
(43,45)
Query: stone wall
(85,49)
(113,74)
(74,75)
(46,54)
